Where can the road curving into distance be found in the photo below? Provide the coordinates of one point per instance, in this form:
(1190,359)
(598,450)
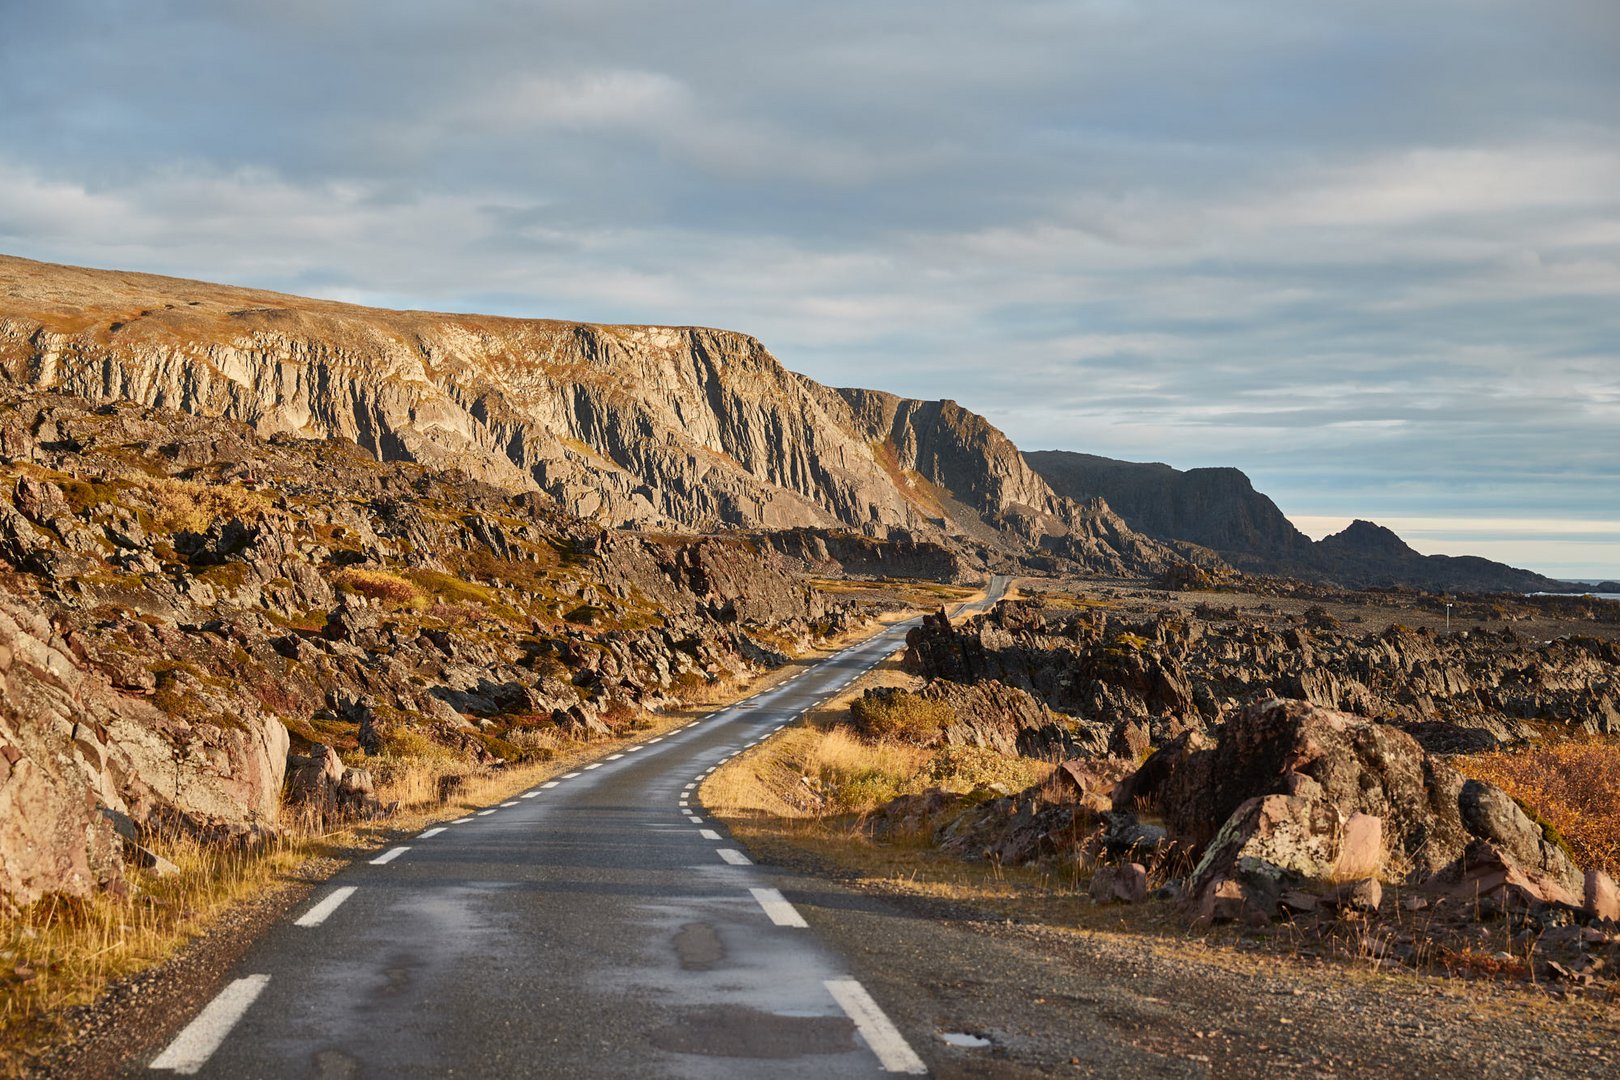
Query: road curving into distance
(595,925)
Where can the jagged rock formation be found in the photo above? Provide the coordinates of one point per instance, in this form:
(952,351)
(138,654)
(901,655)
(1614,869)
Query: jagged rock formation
(1173,673)
(182,602)
(827,551)
(1219,509)
(685,428)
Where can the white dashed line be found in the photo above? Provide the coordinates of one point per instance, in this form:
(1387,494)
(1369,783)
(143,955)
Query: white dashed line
(462,820)
(651,741)
(318,914)
(393,853)
(708,834)
(504,805)
(683,802)
(694,819)
(430,834)
(733,856)
(484,813)
(614,757)
(776,906)
(570,776)
(528,794)
(549,784)
(593,765)
(198,1040)
(634,749)
(891,1048)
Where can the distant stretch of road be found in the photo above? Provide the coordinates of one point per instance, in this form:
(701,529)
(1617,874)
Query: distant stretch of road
(596,925)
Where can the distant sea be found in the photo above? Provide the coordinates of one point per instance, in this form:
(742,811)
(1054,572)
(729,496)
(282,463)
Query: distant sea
(1599,595)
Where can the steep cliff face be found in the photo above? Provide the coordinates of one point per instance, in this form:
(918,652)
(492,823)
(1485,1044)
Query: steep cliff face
(687,428)
(1219,509)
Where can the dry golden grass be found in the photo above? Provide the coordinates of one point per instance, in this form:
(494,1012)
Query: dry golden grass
(1573,786)
(814,772)
(65,951)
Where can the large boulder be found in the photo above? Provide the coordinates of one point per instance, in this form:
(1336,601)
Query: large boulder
(1293,800)
(1490,813)
(1277,843)
(1349,764)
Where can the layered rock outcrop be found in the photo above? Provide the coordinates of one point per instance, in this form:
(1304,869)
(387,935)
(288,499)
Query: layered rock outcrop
(686,428)
(1175,672)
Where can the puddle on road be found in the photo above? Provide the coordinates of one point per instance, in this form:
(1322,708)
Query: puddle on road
(963,1039)
(699,947)
(738,1031)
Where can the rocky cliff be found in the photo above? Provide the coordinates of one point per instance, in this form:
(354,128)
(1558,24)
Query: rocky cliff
(676,427)
(1219,509)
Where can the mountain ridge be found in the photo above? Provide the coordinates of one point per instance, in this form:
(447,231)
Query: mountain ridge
(691,428)
(1219,508)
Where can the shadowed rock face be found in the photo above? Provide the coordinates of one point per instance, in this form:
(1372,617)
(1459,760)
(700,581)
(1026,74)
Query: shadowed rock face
(1219,509)
(673,427)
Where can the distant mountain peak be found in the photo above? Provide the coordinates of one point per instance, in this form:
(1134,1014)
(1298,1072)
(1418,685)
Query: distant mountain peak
(1219,508)
(1364,537)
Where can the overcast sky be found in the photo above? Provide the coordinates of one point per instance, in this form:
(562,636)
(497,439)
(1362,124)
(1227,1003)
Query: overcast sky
(1369,252)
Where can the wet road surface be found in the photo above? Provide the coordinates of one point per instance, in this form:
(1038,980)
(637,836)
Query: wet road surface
(595,925)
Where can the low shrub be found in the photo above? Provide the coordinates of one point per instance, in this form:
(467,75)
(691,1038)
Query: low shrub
(189,506)
(900,716)
(964,769)
(378,585)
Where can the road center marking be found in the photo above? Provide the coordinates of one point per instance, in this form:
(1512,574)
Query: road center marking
(708,834)
(393,853)
(776,906)
(319,913)
(891,1048)
(198,1040)
(733,856)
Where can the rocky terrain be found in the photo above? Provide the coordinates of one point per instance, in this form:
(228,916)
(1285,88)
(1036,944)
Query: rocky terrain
(1256,769)
(1220,510)
(654,427)
(1150,676)
(192,615)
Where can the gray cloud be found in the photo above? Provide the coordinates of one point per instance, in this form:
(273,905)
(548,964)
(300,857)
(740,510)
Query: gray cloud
(1370,253)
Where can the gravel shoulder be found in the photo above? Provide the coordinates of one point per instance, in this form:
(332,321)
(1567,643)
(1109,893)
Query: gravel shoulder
(1081,1002)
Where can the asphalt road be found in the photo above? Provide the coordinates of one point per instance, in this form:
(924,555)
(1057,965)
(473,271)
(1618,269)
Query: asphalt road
(596,925)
